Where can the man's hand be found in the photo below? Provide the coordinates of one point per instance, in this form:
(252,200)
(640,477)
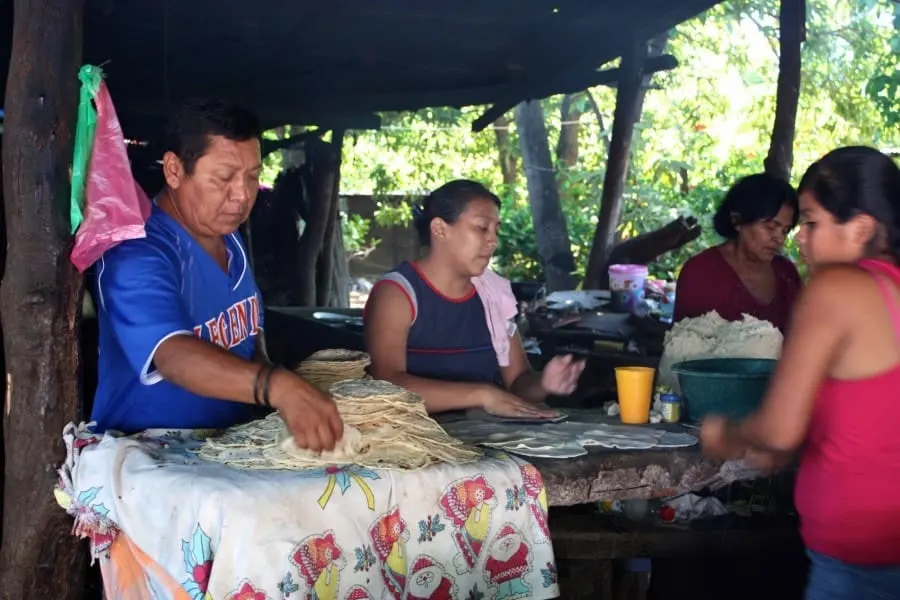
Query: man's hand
(310,416)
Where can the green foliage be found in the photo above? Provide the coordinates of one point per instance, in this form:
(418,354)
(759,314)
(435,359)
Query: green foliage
(355,229)
(882,89)
(704,125)
(516,255)
(391,213)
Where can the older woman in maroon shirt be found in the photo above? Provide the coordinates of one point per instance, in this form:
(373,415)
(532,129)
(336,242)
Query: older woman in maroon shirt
(747,273)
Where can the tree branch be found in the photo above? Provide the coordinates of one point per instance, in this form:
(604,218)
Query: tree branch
(595,108)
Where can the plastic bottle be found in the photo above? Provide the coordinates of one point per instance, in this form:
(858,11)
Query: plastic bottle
(667,306)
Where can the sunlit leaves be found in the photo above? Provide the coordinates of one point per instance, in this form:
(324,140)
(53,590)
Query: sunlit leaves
(883,87)
(708,125)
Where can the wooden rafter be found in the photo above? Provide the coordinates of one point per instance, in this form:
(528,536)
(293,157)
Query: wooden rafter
(572,86)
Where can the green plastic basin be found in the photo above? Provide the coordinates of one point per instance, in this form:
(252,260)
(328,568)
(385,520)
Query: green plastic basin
(733,387)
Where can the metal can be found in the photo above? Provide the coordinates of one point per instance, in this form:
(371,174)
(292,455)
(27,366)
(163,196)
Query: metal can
(671,408)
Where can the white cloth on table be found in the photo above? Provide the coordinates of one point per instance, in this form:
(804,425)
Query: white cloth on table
(343,533)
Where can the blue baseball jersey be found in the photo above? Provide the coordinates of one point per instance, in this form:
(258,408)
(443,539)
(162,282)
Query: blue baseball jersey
(148,290)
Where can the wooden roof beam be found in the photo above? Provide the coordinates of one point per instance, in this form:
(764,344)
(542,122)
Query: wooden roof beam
(583,51)
(571,85)
(141,123)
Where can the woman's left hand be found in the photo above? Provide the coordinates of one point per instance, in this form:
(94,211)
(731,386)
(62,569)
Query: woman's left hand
(717,439)
(767,462)
(560,376)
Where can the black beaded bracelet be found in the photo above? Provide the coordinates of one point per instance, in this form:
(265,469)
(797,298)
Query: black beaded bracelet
(272,369)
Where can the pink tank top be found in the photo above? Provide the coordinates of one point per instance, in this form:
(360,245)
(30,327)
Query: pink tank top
(848,485)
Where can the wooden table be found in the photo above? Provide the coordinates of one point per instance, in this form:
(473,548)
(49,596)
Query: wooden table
(587,544)
(611,474)
(624,475)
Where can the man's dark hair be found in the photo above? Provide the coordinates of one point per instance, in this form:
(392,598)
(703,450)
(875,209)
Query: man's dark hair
(189,129)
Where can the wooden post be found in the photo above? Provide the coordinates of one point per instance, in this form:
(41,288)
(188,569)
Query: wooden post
(320,175)
(628,106)
(792,26)
(570,126)
(2,358)
(340,275)
(325,291)
(508,167)
(40,301)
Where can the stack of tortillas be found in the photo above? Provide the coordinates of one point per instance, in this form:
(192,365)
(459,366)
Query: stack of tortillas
(385,427)
(326,367)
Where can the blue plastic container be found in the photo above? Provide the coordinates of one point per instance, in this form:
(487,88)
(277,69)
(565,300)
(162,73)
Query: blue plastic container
(733,387)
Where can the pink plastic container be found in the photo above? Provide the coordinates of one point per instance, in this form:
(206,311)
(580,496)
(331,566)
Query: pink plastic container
(626,285)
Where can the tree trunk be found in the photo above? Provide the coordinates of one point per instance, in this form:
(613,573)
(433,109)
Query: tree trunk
(550,228)
(325,268)
(41,301)
(320,171)
(647,247)
(792,25)
(601,122)
(290,238)
(570,126)
(2,357)
(504,147)
(292,157)
(629,102)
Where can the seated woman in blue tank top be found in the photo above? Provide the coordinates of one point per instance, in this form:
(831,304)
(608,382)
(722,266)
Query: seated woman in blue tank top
(426,326)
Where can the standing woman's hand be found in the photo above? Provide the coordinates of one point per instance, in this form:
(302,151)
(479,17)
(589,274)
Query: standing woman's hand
(768,462)
(560,376)
(718,439)
(310,416)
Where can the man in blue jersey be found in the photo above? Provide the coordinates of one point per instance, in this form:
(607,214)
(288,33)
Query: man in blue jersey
(181,318)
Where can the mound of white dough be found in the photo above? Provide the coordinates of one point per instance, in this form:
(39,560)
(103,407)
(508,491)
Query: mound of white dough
(711,336)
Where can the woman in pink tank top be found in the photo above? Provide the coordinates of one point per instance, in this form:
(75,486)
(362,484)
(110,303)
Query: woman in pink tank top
(835,395)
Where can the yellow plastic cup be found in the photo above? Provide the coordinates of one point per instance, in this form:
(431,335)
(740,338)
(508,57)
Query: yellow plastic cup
(634,386)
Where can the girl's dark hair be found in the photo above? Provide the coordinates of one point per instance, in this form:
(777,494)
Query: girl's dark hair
(447,203)
(858,180)
(754,198)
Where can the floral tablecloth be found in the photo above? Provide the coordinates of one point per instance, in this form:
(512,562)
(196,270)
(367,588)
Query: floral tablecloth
(477,531)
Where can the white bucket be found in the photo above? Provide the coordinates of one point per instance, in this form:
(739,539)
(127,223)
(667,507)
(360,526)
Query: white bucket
(626,284)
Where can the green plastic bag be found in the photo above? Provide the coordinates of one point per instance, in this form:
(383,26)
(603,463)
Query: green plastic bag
(90,77)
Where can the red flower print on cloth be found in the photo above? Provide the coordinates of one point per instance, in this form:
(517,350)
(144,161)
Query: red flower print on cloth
(246,591)
(198,562)
(200,573)
(92,520)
